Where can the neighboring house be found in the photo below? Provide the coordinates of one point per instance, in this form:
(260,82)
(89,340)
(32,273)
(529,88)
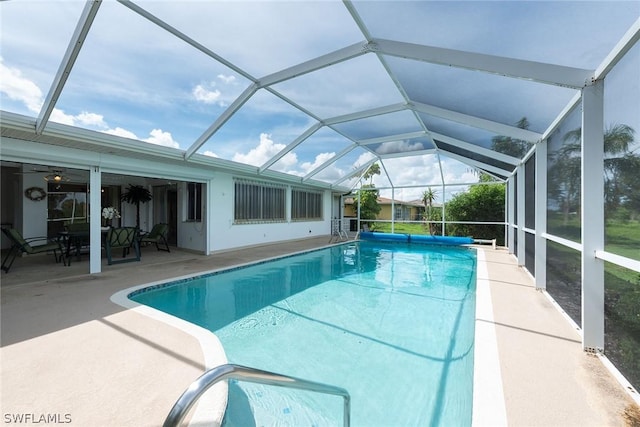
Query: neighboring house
(404,211)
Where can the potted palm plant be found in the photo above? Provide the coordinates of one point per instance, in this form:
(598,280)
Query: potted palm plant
(136,194)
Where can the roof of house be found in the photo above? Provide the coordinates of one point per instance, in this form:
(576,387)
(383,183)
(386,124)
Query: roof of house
(387,201)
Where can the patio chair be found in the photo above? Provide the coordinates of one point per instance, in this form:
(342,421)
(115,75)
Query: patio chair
(158,236)
(122,238)
(78,237)
(20,245)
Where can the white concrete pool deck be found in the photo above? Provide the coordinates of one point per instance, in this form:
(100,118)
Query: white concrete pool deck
(69,352)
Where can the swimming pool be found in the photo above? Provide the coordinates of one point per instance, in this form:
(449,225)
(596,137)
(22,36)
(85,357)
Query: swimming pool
(391,323)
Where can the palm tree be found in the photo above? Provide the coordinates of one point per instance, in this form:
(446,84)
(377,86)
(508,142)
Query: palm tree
(428,196)
(511,146)
(566,169)
(374,169)
(136,194)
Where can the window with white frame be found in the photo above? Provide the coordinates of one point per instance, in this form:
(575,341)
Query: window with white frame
(398,212)
(306,205)
(259,202)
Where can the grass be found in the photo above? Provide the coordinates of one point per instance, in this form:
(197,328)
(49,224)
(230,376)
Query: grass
(622,301)
(623,238)
(400,228)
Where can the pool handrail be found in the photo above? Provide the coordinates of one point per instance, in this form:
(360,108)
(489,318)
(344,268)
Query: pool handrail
(230,371)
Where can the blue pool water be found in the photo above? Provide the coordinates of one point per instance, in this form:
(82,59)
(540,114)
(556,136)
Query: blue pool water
(392,323)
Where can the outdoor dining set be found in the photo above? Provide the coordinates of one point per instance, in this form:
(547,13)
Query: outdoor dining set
(74,240)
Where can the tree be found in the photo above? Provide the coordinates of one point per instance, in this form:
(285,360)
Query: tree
(374,169)
(564,177)
(510,146)
(428,196)
(620,169)
(368,195)
(482,202)
(136,194)
(629,184)
(369,206)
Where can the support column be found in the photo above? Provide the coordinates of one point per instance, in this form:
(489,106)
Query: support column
(393,209)
(95,213)
(520,202)
(541,215)
(442,210)
(208,216)
(592,214)
(359,204)
(511,217)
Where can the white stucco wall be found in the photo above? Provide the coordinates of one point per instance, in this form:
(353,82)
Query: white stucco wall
(226,235)
(34,214)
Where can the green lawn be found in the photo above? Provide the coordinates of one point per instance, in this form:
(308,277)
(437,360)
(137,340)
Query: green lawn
(400,228)
(621,237)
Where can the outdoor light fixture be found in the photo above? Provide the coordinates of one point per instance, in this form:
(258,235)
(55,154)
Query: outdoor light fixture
(55,177)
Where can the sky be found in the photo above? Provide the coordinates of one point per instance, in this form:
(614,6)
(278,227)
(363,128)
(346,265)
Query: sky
(135,80)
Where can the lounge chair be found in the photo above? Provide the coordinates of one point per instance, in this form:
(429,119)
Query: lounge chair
(122,238)
(20,245)
(158,236)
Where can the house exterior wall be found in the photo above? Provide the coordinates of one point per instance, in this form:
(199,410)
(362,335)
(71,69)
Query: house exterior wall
(408,212)
(385,213)
(225,234)
(222,234)
(33,213)
(350,211)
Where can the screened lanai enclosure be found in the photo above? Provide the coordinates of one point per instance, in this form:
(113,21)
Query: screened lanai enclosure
(249,117)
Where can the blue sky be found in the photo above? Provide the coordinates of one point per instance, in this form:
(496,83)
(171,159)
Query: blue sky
(136,80)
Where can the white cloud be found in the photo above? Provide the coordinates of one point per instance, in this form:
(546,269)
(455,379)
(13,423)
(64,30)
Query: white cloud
(92,119)
(227,79)
(363,158)
(265,150)
(60,116)
(398,147)
(158,137)
(320,159)
(306,167)
(202,94)
(121,132)
(209,93)
(19,88)
(210,154)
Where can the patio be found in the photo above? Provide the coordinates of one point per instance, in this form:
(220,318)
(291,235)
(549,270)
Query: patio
(68,350)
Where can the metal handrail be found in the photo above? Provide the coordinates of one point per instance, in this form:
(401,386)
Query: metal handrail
(230,371)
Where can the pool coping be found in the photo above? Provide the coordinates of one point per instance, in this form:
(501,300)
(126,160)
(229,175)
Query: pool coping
(211,407)
(488,394)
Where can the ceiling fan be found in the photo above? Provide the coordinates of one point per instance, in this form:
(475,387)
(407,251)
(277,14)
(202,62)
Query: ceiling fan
(53,175)
(56,176)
